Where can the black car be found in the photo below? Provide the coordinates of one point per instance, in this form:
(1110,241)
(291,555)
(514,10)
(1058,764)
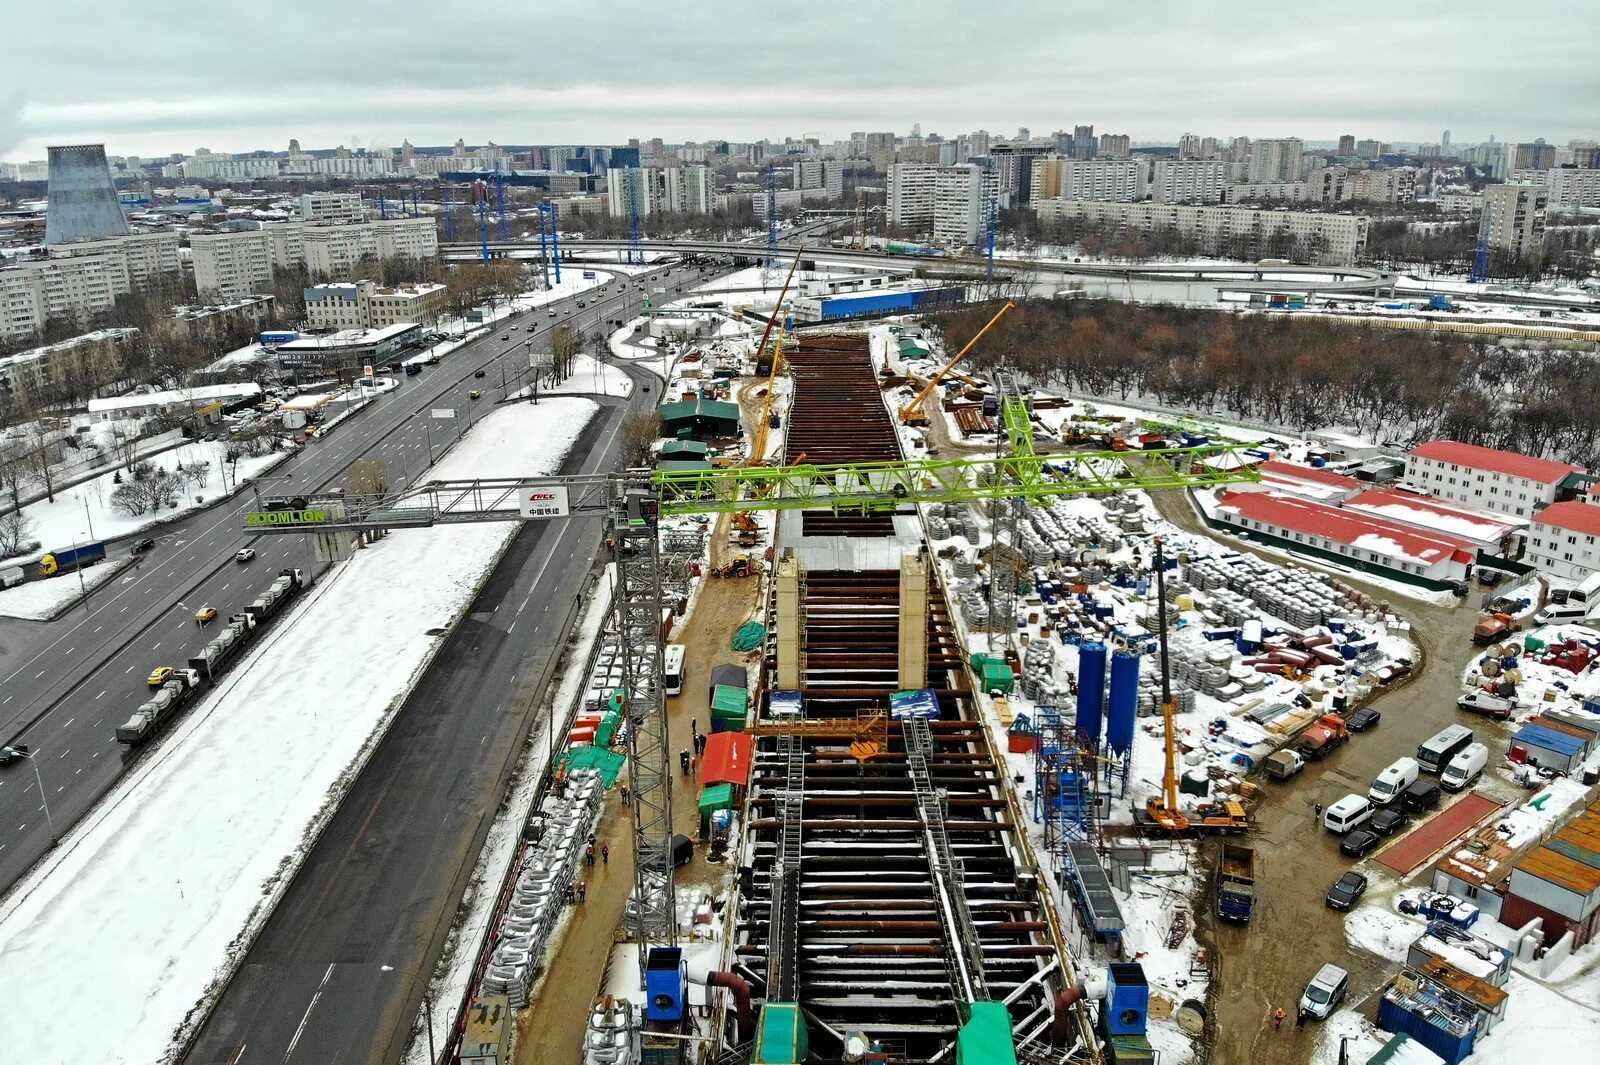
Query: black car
(12,753)
(1343,895)
(1358,842)
(480,373)
(142,545)
(1387,821)
(1363,719)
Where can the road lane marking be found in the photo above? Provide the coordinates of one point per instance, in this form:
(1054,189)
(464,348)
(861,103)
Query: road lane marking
(101,695)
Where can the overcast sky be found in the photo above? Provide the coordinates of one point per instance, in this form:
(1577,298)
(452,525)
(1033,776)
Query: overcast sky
(148,79)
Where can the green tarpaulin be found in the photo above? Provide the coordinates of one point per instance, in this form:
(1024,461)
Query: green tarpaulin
(607,763)
(986,1037)
(608,729)
(749,636)
(716,797)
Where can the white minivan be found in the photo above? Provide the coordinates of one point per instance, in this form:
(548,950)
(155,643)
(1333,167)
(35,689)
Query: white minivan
(1562,614)
(1388,785)
(1352,811)
(1465,768)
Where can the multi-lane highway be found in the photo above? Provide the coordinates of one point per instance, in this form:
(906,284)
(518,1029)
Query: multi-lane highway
(332,978)
(67,684)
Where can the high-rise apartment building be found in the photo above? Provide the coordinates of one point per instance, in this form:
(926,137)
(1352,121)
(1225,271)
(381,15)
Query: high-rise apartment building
(629,189)
(1118,180)
(1347,145)
(1117,145)
(1189,146)
(1083,143)
(1331,239)
(1276,159)
(1188,180)
(688,189)
(228,266)
(1517,218)
(948,201)
(331,208)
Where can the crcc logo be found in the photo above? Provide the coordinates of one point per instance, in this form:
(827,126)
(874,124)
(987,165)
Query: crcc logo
(545,501)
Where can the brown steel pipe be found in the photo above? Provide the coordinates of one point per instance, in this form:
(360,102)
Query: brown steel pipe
(740,988)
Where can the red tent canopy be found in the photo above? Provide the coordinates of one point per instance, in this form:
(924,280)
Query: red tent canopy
(727,759)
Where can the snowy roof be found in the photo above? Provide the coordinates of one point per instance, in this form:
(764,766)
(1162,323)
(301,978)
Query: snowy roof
(1428,512)
(98,336)
(1277,469)
(1487,458)
(185,395)
(1376,535)
(1572,515)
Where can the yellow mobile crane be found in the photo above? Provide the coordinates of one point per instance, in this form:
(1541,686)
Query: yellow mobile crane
(912,413)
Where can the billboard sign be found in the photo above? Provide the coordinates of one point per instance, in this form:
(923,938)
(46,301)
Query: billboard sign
(287,517)
(544,501)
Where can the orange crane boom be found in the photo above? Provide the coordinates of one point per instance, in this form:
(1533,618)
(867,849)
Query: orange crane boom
(912,413)
(758,452)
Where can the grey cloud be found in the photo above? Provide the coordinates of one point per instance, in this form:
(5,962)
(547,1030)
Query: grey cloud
(233,77)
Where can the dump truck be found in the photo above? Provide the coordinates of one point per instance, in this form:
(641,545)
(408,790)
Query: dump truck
(1493,628)
(1325,735)
(1281,765)
(1236,884)
(68,559)
(160,708)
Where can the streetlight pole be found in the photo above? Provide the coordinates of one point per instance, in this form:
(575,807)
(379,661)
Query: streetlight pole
(33,759)
(427,1005)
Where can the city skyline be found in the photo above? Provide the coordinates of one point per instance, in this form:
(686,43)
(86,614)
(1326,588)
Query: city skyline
(1381,71)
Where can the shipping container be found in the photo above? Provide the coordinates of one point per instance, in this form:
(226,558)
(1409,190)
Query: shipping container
(869,304)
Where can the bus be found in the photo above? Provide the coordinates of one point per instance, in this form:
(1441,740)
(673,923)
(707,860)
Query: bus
(1435,754)
(672,668)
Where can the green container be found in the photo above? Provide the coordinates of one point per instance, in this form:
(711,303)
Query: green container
(781,1038)
(716,797)
(986,1037)
(997,676)
(728,701)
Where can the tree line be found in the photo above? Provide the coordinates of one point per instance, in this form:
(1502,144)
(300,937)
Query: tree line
(1303,373)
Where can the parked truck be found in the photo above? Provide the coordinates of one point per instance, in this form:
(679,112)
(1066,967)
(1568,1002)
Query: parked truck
(160,708)
(68,559)
(1324,736)
(1236,884)
(1281,765)
(227,643)
(1493,628)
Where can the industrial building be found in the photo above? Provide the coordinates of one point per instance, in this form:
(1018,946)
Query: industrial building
(697,417)
(1564,540)
(200,401)
(1485,477)
(342,354)
(809,309)
(83,198)
(1487,531)
(1328,239)
(1387,548)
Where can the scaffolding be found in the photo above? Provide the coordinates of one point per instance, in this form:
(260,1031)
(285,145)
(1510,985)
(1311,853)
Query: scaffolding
(1066,785)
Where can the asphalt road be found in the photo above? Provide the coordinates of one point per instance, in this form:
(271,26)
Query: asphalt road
(331,979)
(69,683)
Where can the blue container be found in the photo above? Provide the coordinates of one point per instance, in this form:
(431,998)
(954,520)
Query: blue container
(1123,705)
(665,976)
(1091,689)
(1317,462)
(1127,1003)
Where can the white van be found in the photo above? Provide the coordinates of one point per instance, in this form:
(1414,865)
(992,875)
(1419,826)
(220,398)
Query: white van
(1352,811)
(1388,785)
(1568,613)
(1465,768)
(1325,991)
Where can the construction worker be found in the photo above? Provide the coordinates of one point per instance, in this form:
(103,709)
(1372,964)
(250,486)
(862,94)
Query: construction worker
(683,761)
(583,891)
(1318,809)
(1300,1018)
(1277,1018)
(605,853)
(588,856)
(624,794)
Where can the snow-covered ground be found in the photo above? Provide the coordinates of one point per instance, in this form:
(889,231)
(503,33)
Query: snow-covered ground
(41,600)
(85,512)
(589,377)
(155,895)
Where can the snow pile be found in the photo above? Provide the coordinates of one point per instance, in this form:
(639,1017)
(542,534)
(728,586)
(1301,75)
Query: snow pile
(159,888)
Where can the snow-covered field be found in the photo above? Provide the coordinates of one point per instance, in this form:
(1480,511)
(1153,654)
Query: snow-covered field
(589,377)
(153,896)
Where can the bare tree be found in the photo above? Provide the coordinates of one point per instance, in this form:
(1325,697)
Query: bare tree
(16,528)
(367,477)
(639,435)
(564,348)
(42,463)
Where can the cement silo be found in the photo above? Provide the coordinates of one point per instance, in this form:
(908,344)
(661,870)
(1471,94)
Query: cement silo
(83,201)
(1091,690)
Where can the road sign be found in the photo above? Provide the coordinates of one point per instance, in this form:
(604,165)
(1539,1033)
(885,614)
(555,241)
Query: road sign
(544,501)
(443,412)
